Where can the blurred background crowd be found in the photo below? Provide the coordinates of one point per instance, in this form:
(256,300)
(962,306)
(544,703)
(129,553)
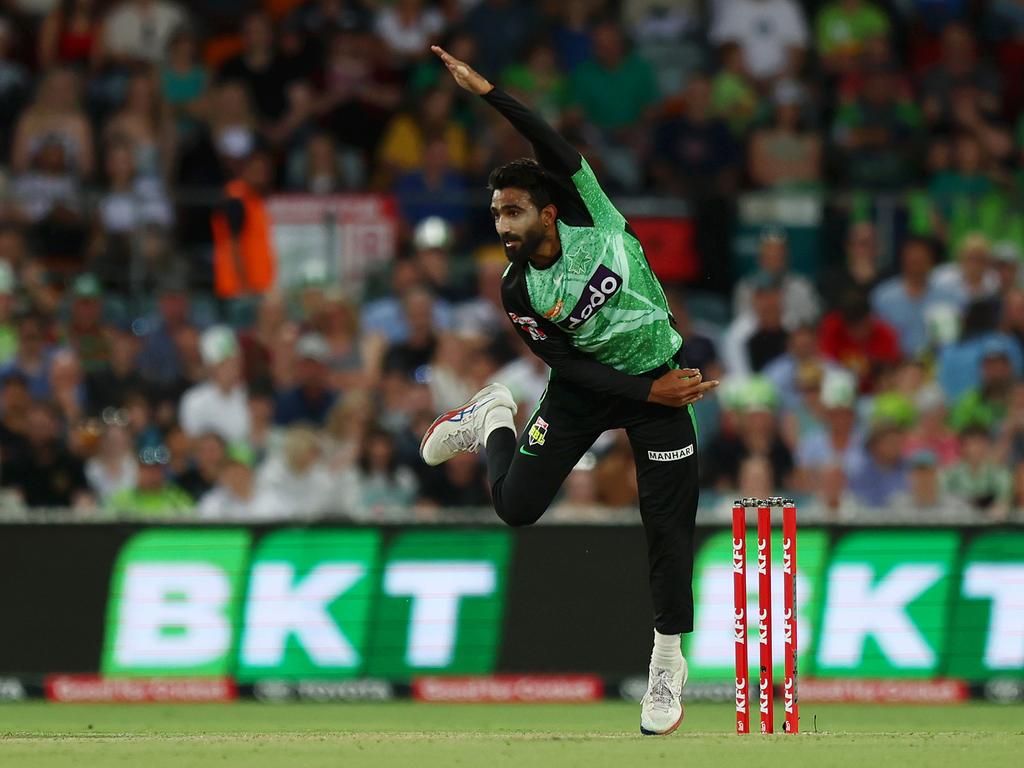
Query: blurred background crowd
(849,172)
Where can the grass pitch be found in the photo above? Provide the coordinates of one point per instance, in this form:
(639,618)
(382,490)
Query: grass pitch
(256,735)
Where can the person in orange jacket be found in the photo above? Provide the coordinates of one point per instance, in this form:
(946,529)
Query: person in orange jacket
(243,249)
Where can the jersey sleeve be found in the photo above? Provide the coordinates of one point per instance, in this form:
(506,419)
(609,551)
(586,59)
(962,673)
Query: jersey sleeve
(560,159)
(552,345)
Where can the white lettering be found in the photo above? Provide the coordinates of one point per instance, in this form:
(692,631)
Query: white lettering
(436,587)
(279,607)
(740,626)
(681,453)
(858,608)
(173,615)
(1000,583)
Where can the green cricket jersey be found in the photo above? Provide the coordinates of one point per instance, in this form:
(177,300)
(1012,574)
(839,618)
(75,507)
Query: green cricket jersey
(597,314)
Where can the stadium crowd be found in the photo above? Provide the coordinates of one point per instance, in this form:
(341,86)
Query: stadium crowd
(148,363)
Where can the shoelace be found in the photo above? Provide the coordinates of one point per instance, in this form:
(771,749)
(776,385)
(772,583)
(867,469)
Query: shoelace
(463,440)
(661,692)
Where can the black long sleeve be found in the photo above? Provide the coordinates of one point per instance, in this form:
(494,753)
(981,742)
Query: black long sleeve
(553,152)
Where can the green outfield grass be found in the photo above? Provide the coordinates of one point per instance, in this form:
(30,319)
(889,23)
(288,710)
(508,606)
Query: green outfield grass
(427,735)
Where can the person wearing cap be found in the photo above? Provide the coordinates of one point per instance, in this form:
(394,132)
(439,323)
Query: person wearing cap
(84,331)
(244,262)
(153,494)
(903,301)
(986,404)
(931,432)
(881,473)
(312,396)
(159,360)
(218,403)
(836,443)
(800,302)
(755,434)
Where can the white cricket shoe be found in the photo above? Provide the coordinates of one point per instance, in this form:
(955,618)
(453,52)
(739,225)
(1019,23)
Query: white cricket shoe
(661,709)
(462,428)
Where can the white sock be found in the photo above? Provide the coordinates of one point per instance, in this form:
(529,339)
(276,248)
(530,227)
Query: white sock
(667,651)
(499,416)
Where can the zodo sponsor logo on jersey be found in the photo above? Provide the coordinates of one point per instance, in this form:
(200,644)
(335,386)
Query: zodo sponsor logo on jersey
(599,289)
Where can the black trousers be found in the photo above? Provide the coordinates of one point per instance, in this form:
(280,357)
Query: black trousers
(525,475)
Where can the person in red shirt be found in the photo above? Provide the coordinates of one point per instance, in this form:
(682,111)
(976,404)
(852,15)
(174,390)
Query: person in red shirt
(858,340)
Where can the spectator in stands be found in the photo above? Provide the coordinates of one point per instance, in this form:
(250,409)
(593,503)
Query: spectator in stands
(930,433)
(502,30)
(924,487)
(130,203)
(757,336)
(881,474)
(114,468)
(836,443)
(159,360)
(844,29)
(959,366)
(14,407)
(876,134)
(153,494)
(46,474)
(903,301)
(958,67)
(66,386)
(734,98)
(8,329)
(861,267)
(183,84)
(84,332)
(407,28)
(784,154)
(68,34)
(987,404)
(54,117)
(296,480)
(259,68)
(312,397)
(235,496)
(244,261)
(1009,449)
(219,403)
(404,144)
(771,33)
(14,85)
(137,31)
(855,338)
(538,81)
(800,361)
(32,360)
(616,92)
(970,278)
(757,435)
(800,302)
(360,91)
(386,317)
(318,168)
(977,478)
(209,452)
(142,122)
(108,385)
(376,487)
(420,345)
(46,198)
(694,153)
(436,190)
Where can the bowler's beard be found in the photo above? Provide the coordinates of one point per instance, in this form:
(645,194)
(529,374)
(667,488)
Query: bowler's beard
(528,246)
